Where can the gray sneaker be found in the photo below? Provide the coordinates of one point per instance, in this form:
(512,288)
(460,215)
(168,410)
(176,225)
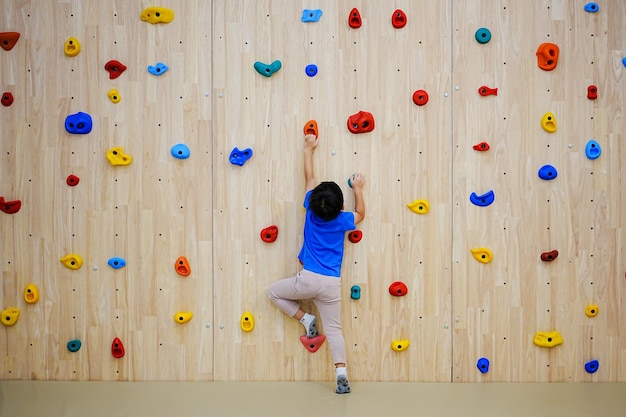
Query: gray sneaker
(343,386)
(312,330)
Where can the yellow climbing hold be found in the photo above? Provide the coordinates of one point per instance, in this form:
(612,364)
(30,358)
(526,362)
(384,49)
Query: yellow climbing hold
(483,255)
(247,322)
(114,95)
(156,15)
(10,316)
(31,294)
(591,311)
(548,339)
(183,316)
(419,206)
(72,47)
(72,261)
(548,122)
(400,345)
(117,157)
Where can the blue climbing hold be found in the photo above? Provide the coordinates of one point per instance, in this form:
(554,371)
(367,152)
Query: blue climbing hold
(117,263)
(73,345)
(483,35)
(483,365)
(483,200)
(593,150)
(239,157)
(311,70)
(78,124)
(592,7)
(311,15)
(548,172)
(268,70)
(355,292)
(157,69)
(624,61)
(180,151)
(592,366)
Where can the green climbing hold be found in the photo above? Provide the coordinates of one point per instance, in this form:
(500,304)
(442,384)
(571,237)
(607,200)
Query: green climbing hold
(267,70)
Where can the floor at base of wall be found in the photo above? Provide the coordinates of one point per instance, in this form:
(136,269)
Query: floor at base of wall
(303,399)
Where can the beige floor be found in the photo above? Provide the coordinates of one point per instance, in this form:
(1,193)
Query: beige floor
(155,399)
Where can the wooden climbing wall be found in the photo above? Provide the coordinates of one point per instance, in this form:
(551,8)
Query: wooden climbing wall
(159,208)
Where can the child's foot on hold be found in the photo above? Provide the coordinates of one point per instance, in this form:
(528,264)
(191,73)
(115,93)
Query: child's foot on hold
(308,321)
(343,386)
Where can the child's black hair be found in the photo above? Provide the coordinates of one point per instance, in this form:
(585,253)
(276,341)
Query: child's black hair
(326,200)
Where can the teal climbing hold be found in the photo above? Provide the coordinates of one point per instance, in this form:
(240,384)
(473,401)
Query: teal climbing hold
(180,151)
(483,200)
(117,263)
(73,345)
(548,172)
(592,366)
(355,292)
(483,35)
(158,69)
(593,150)
(311,15)
(268,70)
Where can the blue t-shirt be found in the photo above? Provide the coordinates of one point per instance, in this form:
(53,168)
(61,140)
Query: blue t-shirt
(322,250)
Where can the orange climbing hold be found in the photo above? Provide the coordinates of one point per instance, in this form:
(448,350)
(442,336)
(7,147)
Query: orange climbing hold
(182,266)
(547,56)
(8,40)
(312,344)
(310,128)
(354,20)
(117,348)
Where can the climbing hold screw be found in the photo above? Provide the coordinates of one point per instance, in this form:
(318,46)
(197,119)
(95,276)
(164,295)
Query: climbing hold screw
(483,35)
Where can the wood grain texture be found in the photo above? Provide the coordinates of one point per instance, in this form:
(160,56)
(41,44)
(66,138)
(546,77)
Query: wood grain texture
(211,211)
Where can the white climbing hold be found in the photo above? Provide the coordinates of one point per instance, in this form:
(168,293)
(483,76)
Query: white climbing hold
(333,152)
(570,146)
(457,88)
(445,94)
(220,95)
(95,268)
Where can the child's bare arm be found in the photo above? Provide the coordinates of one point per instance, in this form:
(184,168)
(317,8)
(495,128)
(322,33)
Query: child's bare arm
(310,143)
(358,181)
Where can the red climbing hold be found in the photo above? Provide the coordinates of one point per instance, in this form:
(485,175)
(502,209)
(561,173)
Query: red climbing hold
(8,40)
(592,92)
(549,256)
(7,99)
(398,20)
(486,91)
(10,207)
(115,68)
(354,20)
(72,180)
(481,147)
(117,348)
(398,289)
(312,344)
(420,97)
(355,236)
(269,234)
(361,122)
